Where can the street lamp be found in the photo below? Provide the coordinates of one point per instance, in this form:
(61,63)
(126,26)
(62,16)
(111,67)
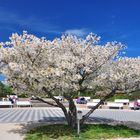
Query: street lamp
(79,117)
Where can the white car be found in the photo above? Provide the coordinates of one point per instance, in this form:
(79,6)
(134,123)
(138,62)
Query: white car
(59,97)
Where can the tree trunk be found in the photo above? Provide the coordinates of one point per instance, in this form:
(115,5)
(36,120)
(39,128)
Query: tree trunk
(72,114)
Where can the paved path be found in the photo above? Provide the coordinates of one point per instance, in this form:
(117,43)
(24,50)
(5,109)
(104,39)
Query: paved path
(18,115)
(14,122)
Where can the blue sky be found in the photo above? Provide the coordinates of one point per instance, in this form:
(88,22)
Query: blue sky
(113,20)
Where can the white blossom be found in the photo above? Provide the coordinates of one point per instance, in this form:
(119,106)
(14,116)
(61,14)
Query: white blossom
(60,64)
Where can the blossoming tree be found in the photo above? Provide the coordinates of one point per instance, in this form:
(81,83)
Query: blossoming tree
(67,65)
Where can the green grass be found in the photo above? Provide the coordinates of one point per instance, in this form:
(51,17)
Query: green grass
(88,132)
(131,96)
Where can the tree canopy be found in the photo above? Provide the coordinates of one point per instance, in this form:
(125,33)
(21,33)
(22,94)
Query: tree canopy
(67,65)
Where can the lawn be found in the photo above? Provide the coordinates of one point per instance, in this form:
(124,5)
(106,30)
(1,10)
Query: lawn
(88,132)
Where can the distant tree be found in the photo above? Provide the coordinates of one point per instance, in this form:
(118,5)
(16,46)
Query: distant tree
(2,94)
(4,90)
(67,65)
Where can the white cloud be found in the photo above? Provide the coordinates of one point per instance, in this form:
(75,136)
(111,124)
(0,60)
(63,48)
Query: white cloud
(33,23)
(40,25)
(10,19)
(77,32)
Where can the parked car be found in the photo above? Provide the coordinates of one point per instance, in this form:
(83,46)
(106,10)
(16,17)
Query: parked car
(81,100)
(61,98)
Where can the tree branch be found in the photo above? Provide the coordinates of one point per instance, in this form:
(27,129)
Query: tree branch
(40,99)
(112,93)
(57,102)
(85,75)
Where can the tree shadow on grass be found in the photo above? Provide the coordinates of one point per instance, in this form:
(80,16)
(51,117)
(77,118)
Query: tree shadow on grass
(23,128)
(101,120)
